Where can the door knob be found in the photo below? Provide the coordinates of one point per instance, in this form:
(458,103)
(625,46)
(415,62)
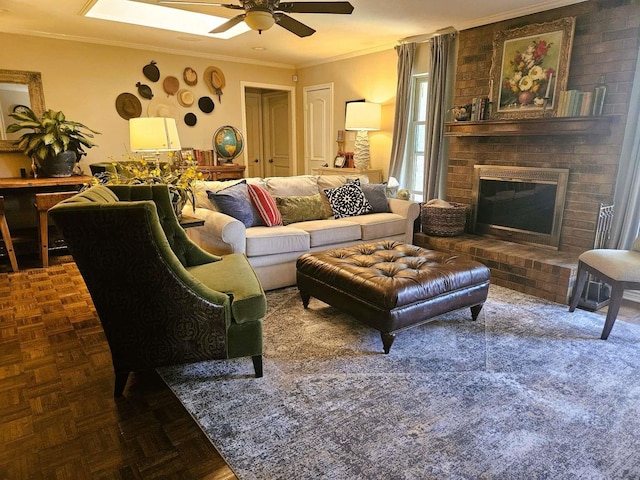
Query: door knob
(256,160)
(271,160)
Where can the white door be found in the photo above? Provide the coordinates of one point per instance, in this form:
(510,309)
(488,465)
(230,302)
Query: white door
(277,143)
(255,148)
(318,127)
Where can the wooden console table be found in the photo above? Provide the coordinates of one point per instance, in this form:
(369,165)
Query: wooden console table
(375,175)
(230,171)
(19,198)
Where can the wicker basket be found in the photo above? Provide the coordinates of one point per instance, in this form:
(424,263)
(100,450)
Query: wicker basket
(444,222)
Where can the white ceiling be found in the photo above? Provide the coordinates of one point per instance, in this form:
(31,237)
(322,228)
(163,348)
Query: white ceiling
(373,25)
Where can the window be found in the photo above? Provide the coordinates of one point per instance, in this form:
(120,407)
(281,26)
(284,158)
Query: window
(414,153)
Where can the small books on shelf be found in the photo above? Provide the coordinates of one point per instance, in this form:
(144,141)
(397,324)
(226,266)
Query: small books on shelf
(204,157)
(480,108)
(576,103)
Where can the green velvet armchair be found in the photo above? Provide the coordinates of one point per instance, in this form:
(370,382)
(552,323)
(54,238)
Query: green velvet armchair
(161,299)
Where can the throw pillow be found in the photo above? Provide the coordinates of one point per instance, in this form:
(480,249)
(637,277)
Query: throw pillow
(376,195)
(235,202)
(348,200)
(265,205)
(300,208)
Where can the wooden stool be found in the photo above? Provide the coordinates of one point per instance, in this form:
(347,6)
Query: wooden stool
(44,201)
(6,237)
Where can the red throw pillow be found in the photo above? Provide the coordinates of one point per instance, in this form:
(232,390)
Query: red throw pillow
(265,205)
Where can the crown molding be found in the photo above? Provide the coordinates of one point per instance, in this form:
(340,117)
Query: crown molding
(148,48)
(521,12)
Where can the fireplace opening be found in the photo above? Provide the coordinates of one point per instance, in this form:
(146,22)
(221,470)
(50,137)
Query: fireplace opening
(519,204)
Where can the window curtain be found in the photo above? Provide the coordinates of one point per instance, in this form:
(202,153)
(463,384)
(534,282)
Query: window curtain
(406,54)
(626,217)
(441,55)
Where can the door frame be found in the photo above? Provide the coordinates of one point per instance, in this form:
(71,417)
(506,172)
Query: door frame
(305,92)
(292,116)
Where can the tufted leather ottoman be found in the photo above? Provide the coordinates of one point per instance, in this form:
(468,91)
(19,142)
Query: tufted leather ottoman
(391,286)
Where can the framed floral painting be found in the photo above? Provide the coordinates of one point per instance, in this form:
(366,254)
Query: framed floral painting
(530,68)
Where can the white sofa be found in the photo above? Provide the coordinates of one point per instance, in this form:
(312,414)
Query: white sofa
(272,251)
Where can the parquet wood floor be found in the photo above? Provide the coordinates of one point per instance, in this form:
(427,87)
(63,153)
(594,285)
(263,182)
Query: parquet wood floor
(58,417)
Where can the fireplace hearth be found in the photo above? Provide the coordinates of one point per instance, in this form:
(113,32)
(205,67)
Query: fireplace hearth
(519,204)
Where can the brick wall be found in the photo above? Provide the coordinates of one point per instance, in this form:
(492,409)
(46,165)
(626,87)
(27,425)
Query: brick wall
(605,41)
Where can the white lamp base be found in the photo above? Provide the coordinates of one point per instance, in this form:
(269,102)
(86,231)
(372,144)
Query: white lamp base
(361,155)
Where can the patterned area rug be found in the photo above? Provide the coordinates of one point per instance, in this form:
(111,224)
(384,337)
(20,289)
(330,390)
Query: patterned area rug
(527,391)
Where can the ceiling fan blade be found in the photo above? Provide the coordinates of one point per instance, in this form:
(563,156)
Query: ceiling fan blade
(294,26)
(228,24)
(206,4)
(316,7)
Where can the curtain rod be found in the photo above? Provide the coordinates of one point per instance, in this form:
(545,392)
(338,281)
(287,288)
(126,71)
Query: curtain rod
(428,36)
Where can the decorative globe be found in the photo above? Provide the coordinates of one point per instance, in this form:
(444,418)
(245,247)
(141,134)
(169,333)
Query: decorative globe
(228,142)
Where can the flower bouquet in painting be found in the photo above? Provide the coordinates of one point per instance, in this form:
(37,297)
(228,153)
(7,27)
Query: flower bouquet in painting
(529,68)
(529,77)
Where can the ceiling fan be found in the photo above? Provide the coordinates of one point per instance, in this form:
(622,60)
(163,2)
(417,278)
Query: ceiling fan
(263,14)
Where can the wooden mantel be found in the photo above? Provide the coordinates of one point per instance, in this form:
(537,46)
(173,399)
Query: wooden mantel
(597,125)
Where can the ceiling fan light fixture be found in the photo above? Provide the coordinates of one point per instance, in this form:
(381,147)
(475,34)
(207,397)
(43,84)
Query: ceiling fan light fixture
(259,20)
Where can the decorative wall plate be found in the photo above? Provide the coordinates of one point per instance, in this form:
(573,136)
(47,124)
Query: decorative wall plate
(206,104)
(190,76)
(151,71)
(128,106)
(190,119)
(144,91)
(171,85)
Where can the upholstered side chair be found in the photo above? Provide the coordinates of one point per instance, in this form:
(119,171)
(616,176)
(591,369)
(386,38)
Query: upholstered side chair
(620,269)
(161,299)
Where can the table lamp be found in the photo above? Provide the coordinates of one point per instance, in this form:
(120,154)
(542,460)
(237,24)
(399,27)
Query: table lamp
(362,117)
(153,135)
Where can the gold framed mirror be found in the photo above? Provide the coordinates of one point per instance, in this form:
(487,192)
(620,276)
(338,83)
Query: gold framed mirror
(18,87)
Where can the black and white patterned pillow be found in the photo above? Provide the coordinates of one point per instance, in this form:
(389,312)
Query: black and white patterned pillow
(348,200)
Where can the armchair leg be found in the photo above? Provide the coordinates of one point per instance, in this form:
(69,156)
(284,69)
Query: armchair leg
(581,280)
(612,311)
(121,382)
(257,365)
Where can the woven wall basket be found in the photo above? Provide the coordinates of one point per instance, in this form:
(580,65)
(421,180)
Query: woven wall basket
(444,222)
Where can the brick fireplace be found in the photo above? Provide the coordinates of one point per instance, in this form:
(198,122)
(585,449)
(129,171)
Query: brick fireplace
(605,42)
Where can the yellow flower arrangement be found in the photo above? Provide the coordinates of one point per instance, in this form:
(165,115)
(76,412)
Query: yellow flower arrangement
(179,176)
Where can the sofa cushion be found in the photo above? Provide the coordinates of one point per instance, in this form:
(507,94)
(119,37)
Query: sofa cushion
(376,195)
(202,186)
(300,208)
(273,240)
(233,275)
(326,182)
(330,232)
(265,205)
(301,185)
(380,225)
(235,202)
(348,200)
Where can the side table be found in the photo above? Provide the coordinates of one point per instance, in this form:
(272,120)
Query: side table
(187,221)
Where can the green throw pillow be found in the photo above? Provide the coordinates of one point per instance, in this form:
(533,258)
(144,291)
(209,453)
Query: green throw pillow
(300,209)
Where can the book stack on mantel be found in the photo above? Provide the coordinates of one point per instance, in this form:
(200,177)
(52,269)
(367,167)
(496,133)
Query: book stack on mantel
(576,103)
(480,109)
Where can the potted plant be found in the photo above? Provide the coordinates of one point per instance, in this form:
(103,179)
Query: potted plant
(54,143)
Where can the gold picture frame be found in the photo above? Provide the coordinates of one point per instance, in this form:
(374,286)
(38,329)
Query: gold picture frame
(530,67)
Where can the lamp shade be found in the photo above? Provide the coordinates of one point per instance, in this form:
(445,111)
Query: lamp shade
(153,134)
(363,116)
